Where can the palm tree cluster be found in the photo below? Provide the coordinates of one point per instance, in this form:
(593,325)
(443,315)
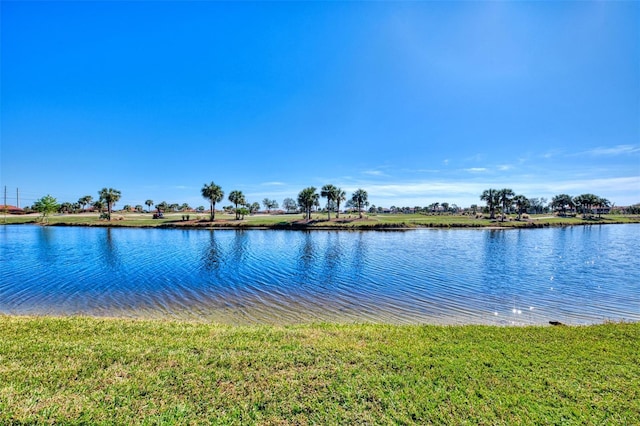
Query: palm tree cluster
(334,196)
(504,199)
(215,194)
(308,198)
(583,203)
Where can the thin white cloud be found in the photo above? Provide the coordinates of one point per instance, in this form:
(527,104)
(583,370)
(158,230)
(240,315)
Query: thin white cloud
(505,167)
(614,150)
(630,185)
(272,184)
(551,154)
(413,171)
(373,173)
(476,170)
(621,190)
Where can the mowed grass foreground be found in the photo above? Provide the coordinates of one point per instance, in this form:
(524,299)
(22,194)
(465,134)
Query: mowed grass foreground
(90,371)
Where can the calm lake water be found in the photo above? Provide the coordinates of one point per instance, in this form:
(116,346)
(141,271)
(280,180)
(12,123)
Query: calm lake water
(576,275)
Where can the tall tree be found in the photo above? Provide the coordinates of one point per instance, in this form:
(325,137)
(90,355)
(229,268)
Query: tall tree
(490,196)
(98,205)
(267,204)
(214,194)
(522,204)
(329,192)
(360,199)
(237,197)
(84,201)
(307,198)
(270,204)
(65,207)
(585,202)
(340,196)
(289,204)
(602,204)
(505,197)
(110,196)
(562,202)
(46,205)
(149,203)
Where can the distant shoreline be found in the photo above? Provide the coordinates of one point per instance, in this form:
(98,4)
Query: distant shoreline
(384,222)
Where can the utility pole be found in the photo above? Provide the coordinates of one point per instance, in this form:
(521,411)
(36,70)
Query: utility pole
(17,198)
(5,204)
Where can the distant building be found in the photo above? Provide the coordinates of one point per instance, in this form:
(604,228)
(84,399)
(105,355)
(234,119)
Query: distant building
(11,209)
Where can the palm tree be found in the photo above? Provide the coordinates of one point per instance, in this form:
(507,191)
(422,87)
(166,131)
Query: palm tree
(307,198)
(83,201)
(237,197)
(98,205)
(602,203)
(339,197)
(329,192)
(253,207)
(149,203)
(505,196)
(522,203)
(492,200)
(562,202)
(359,199)
(581,204)
(214,194)
(586,203)
(109,196)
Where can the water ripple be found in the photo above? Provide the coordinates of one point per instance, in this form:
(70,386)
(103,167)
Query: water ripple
(518,277)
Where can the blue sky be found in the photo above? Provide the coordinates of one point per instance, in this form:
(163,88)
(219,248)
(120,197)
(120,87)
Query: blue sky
(415,102)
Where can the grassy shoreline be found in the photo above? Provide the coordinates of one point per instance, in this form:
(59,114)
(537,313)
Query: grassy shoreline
(76,370)
(320,222)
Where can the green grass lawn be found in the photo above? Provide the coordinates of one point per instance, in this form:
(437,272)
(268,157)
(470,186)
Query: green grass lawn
(103,371)
(346,221)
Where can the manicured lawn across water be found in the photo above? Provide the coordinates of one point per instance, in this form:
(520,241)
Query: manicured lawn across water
(320,220)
